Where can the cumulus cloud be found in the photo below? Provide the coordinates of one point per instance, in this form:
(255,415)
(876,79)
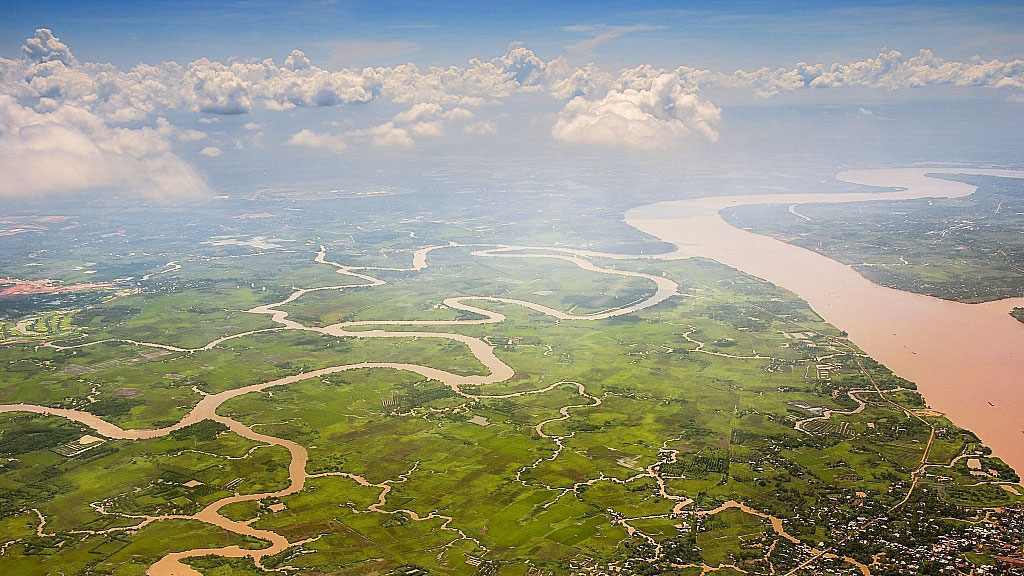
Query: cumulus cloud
(524,67)
(70,150)
(211,151)
(297,60)
(427,129)
(481,128)
(646,109)
(419,112)
(431,111)
(165,128)
(284,89)
(49,70)
(641,107)
(566,82)
(422,120)
(216,88)
(482,81)
(388,135)
(50,76)
(43,47)
(890,70)
(309,139)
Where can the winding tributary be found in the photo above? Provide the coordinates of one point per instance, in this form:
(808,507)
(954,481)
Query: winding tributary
(173,563)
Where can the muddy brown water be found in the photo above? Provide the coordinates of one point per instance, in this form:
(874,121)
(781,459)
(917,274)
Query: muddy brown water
(966,359)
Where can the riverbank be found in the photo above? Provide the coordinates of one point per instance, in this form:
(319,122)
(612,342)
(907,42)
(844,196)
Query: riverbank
(966,359)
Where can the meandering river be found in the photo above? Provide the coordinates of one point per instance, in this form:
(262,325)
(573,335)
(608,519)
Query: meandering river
(966,359)
(174,563)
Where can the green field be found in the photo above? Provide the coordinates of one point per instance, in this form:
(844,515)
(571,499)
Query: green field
(603,453)
(700,394)
(965,249)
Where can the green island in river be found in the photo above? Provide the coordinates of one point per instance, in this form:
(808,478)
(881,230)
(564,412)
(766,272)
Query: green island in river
(967,249)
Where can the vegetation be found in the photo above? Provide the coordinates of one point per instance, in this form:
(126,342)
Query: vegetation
(965,249)
(726,426)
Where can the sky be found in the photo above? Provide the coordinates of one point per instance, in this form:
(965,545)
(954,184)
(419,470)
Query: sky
(717,34)
(174,100)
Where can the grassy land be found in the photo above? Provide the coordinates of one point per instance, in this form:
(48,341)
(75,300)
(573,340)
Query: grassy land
(49,325)
(966,249)
(701,393)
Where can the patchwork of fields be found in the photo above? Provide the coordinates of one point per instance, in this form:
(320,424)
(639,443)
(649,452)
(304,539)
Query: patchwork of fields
(725,426)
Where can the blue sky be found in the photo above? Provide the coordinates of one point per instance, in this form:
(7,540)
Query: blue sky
(711,34)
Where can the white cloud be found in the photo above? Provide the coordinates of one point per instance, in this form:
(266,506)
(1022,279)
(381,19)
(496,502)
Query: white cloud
(297,60)
(50,71)
(425,111)
(43,46)
(518,70)
(525,67)
(71,150)
(481,128)
(647,109)
(422,120)
(315,140)
(890,70)
(236,87)
(165,128)
(284,89)
(211,152)
(641,107)
(388,135)
(419,111)
(190,135)
(458,114)
(566,82)
(427,129)
(216,88)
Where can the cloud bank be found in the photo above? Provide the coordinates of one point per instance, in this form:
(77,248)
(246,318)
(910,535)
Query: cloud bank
(309,139)
(71,126)
(646,109)
(70,149)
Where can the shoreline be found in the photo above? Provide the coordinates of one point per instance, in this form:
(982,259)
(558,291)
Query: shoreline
(966,359)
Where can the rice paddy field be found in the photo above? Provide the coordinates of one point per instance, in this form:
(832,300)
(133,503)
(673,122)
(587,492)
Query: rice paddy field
(723,427)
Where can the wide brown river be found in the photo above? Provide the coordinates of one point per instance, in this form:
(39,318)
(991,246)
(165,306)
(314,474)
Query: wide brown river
(966,359)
